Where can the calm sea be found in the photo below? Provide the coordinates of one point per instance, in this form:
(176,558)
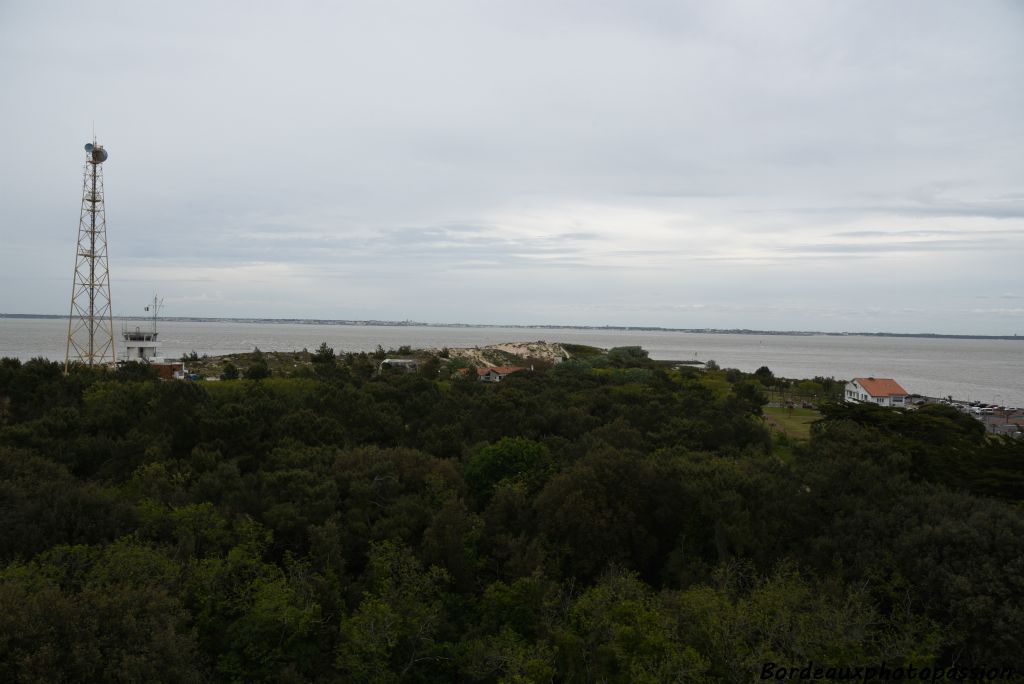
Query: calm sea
(987,370)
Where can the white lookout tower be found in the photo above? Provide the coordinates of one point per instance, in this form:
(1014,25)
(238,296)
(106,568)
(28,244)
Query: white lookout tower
(142,345)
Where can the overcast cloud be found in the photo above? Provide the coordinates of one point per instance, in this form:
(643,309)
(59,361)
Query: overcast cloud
(776,165)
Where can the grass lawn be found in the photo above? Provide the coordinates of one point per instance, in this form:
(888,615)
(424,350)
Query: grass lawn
(794,422)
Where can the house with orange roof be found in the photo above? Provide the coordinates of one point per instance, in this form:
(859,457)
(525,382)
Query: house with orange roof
(493,373)
(881,391)
(496,373)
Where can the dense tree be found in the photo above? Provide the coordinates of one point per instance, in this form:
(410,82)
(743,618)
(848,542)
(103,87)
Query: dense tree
(608,519)
(617,631)
(510,459)
(323,354)
(765,376)
(393,634)
(744,620)
(81,613)
(42,505)
(612,506)
(257,370)
(627,357)
(230,372)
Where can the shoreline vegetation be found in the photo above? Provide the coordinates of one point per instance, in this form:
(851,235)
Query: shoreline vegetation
(420,324)
(314,516)
(521,354)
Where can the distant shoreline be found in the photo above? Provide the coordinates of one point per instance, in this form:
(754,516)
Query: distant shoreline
(636,328)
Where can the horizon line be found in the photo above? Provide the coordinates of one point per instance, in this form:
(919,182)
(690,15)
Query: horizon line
(543,326)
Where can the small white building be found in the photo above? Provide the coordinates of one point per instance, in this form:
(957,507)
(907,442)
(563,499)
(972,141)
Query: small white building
(880,391)
(141,345)
(405,365)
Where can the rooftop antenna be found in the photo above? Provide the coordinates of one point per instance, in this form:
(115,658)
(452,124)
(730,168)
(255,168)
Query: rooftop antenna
(155,308)
(91,322)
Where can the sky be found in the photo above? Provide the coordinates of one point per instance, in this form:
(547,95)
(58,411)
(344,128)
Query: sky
(801,165)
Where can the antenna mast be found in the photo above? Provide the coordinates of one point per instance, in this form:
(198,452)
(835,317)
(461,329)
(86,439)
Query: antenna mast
(155,308)
(91,321)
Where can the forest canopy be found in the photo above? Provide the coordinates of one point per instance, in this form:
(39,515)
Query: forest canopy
(605,519)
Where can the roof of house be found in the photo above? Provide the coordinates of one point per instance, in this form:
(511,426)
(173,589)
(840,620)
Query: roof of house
(500,370)
(881,387)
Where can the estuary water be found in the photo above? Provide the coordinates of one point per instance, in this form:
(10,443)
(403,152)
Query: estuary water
(991,371)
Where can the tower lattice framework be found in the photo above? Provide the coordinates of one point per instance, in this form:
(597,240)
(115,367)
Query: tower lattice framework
(91,321)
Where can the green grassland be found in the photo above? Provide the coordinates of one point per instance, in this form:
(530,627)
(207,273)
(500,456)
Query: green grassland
(794,422)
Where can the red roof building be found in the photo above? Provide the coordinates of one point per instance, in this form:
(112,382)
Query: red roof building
(881,391)
(493,373)
(496,373)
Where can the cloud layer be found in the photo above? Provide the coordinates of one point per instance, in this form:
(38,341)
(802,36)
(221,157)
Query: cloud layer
(806,165)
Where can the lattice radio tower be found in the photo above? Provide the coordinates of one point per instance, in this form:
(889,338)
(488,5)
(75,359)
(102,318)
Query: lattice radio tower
(91,322)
